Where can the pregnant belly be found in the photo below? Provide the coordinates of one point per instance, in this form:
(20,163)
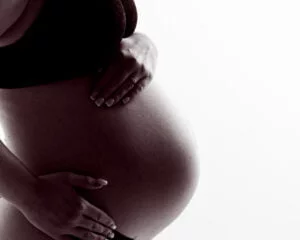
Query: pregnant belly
(144,150)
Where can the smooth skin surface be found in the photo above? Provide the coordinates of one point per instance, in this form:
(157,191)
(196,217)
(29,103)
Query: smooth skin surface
(143,149)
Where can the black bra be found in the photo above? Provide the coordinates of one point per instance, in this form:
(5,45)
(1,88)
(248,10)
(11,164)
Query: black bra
(68,39)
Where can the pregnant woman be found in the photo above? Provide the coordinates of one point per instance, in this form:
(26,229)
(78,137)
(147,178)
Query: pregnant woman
(55,134)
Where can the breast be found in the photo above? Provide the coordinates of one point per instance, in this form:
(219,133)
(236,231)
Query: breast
(10,11)
(144,149)
(64,39)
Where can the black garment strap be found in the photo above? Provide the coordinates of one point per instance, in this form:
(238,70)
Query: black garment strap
(68,39)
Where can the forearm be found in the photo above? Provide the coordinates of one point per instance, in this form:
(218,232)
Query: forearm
(16,181)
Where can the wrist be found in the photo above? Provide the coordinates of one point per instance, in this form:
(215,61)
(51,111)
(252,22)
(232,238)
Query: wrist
(26,194)
(17,181)
(148,40)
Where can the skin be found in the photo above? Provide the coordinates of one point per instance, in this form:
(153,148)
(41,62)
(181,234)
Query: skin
(129,72)
(65,214)
(143,149)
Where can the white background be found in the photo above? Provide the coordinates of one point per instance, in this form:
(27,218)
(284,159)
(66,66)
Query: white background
(232,68)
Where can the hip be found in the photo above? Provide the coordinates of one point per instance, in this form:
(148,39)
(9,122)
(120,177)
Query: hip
(144,149)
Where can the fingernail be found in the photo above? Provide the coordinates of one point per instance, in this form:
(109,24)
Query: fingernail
(111,235)
(114,227)
(93,96)
(110,102)
(126,100)
(99,102)
(102,181)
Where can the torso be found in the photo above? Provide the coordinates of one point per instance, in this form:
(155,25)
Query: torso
(143,149)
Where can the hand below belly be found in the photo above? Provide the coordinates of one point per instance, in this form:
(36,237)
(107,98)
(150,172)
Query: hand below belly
(144,151)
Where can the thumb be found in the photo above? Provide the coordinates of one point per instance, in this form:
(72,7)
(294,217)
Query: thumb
(88,182)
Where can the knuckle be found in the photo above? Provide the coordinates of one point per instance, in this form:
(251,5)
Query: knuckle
(93,226)
(99,217)
(80,207)
(131,86)
(86,235)
(140,87)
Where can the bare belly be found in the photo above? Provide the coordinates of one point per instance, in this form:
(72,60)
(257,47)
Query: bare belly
(143,149)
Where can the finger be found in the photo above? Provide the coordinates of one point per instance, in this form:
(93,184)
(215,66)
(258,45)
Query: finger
(86,181)
(119,70)
(97,215)
(95,227)
(101,79)
(116,82)
(124,89)
(107,76)
(137,89)
(84,234)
